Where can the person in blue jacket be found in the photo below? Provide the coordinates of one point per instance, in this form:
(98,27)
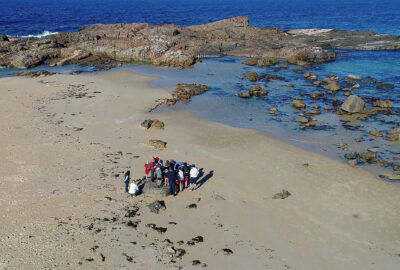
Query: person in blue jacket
(171,180)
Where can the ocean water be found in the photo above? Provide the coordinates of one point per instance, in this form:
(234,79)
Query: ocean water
(225,75)
(38,17)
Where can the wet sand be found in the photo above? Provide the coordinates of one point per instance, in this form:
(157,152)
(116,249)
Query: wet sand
(66,141)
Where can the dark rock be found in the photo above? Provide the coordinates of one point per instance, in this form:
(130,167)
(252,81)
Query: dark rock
(155,123)
(150,187)
(282,195)
(156,206)
(192,206)
(103,258)
(198,239)
(351,155)
(133,224)
(160,230)
(227,251)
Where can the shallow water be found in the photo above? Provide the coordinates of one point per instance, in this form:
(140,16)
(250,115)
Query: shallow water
(225,77)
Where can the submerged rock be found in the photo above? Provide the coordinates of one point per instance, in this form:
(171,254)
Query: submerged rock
(376,133)
(273,111)
(332,87)
(386,104)
(353,104)
(310,76)
(367,157)
(393,135)
(354,77)
(298,104)
(252,76)
(381,85)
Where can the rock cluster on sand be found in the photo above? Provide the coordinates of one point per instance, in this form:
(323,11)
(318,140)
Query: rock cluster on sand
(152,123)
(175,46)
(255,91)
(157,144)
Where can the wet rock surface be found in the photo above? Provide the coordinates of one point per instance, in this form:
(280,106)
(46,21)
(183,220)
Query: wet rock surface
(152,123)
(255,91)
(34,74)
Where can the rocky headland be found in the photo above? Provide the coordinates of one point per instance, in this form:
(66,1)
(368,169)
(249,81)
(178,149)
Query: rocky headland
(175,46)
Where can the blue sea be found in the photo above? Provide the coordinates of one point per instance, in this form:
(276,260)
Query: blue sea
(224,75)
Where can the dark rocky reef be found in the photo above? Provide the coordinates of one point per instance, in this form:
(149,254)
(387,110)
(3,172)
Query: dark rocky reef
(174,46)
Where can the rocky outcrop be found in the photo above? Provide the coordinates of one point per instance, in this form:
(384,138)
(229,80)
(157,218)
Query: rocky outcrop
(184,92)
(393,135)
(381,85)
(353,104)
(3,37)
(175,46)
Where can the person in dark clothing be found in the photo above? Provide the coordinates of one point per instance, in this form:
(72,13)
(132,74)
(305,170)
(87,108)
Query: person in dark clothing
(127,177)
(171,180)
(186,173)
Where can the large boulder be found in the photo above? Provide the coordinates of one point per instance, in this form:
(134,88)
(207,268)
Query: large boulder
(353,104)
(256,91)
(184,92)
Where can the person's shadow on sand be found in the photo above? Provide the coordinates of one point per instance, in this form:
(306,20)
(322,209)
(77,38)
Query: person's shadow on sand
(203,178)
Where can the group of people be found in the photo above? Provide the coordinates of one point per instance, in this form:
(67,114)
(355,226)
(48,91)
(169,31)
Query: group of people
(176,175)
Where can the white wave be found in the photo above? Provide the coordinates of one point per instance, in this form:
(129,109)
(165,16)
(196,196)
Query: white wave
(45,33)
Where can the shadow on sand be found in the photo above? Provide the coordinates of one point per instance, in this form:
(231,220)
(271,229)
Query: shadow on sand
(203,178)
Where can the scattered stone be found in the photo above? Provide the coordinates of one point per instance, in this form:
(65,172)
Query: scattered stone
(252,76)
(290,85)
(332,87)
(103,258)
(356,86)
(157,144)
(160,230)
(298,104)
(316,95)
(327,108)
(273,111)
(156,206)
(393,135)
(273,77)
(192,206)
(375,133)
(283,66)
(381,85)
(198,239)
(227,251)
(354,77)
(317,83)
(382,163)
(353,104)
(302,120)
(256,91)
(266,62)
(351,155)
(281,195)
(310,76)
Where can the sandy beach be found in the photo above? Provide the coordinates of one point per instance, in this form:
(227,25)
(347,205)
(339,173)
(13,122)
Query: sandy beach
(66,140)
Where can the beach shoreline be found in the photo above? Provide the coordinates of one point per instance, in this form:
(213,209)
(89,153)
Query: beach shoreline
(62,170)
